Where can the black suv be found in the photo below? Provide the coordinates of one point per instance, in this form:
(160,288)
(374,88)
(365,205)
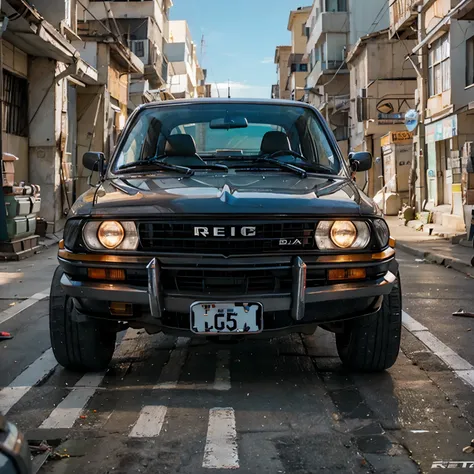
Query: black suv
(226,219)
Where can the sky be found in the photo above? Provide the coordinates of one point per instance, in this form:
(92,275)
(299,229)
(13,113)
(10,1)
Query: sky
(240,39)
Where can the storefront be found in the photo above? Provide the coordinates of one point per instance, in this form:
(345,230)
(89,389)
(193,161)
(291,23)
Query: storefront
(397,150)
(442,160)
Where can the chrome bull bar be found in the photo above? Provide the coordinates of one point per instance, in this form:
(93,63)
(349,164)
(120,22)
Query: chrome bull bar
(298,293)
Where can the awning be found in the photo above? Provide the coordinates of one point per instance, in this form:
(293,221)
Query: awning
(31,33)
(296,59)
(131,63)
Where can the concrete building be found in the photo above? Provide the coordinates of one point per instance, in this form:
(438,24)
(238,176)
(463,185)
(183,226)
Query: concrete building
(297,64)
(280,90)
(382,90)
(144,28)
(332,28)
(103,109)
(185,74)
(43,74)
(445,62)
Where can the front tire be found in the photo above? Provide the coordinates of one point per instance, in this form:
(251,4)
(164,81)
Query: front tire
(372,343)
(82,347)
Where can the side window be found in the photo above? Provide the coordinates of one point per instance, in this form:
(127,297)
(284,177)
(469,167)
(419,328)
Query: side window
(321,144)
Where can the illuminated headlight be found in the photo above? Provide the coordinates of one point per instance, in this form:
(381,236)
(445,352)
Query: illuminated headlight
(110,235)
(382,232)
(351,235)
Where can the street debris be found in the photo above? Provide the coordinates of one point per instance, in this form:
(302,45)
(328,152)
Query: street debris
(4,336)
(469,449)
(463,314)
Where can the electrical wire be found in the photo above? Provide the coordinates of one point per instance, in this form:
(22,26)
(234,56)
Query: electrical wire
(337,72)
(101,23)
(381,13)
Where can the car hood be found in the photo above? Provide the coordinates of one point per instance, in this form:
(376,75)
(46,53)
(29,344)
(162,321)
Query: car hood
(207,193)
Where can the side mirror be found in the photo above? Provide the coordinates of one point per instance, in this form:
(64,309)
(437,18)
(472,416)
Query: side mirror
(95,161)
(361,161)
(14,451)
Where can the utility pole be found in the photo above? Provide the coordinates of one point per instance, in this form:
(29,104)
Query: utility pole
(203,43)
(420,156)
(3,212)
(228,88)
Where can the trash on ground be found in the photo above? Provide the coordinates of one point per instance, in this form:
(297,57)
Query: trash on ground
(463,314)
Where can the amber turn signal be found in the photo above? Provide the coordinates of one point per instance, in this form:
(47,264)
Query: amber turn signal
(121,309)
(106,274)
(347,274)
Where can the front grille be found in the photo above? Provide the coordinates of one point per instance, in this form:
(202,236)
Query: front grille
(235,281)
(269,238)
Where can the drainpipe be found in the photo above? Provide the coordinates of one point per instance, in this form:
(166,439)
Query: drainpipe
(3,212)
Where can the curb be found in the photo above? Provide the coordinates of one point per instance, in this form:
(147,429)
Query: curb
(438,259)
(48,243)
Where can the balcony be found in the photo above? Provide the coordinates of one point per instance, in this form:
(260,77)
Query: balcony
(152,58)
(321,68)
(177,55)
(125,10)
(402,15)
(329,22)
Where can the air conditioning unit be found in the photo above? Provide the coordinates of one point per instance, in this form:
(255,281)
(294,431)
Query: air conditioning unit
(141,49)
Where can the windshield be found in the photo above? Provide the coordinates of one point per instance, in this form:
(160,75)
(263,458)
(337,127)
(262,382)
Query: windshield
(233,134)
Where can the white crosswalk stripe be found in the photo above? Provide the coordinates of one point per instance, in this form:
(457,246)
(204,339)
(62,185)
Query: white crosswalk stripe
(20,307)
(149,422)
(221,450)
(70,409)
(30,377)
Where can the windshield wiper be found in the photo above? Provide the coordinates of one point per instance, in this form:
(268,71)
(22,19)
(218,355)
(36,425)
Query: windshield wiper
(311,166)
(213,166)
(159,164)
(286,166)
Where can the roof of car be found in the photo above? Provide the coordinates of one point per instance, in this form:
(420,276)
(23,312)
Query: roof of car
(215,100)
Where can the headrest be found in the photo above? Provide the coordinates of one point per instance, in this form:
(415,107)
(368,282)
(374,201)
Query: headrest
(274,141)
(180,145)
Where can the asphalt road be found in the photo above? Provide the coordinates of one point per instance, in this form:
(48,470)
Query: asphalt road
(282,406)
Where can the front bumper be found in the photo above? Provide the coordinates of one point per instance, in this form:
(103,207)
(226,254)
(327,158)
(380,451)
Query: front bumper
(302,303)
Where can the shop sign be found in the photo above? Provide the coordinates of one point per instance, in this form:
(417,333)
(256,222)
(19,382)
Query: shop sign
(442,129)
(396,137)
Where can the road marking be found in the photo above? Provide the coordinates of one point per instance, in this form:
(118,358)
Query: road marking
(171,372)
(222,379)
(67,412)
(461,367)
(221,442)
(70,409)
(14,310)
(149,422)
(30,377)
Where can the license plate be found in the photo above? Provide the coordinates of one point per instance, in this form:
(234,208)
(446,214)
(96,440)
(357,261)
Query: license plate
(226,318)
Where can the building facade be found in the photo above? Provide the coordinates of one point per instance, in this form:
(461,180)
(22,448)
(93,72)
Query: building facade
(144,28)
(280,90)
(444,54)
(43,74)
(297,64)
(333,28)
(185,73)
(382,90)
